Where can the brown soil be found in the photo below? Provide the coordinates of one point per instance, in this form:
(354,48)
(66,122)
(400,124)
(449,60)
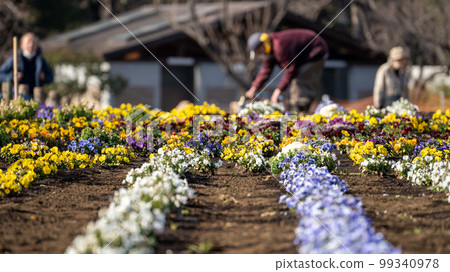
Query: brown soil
(3,166)
(46,217)
(235,212)
(413,218)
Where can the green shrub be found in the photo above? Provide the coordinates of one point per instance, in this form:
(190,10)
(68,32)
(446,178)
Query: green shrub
(68,112)
(17,109)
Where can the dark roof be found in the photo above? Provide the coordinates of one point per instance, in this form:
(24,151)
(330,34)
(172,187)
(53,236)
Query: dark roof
(110,36)
(110,39)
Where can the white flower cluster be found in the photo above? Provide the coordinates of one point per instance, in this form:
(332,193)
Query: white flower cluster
(203,162)
(264,107)
(295,146)
(138,213)
(329,110)
(177,159)
(425,172)
(402,167)
(372,111)
(402,106)
(376,164)
(254,161)
(440,176)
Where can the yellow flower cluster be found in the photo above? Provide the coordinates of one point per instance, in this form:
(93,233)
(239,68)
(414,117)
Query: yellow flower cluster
(177,141)
(346,144)
(390,118)
(191,110)
(361,151)
(275,115)
(440,120)
(113,156)
(236,147)
(355,117)
(31,130)
(232,151)
(13,152)
(420,125)
(402,146)
(109,111)
(80,122)
(289,140)
(24,171)
(317,118)
(434,154)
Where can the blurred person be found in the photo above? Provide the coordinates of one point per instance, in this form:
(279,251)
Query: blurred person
(391,79)
(33,69)
(303,72)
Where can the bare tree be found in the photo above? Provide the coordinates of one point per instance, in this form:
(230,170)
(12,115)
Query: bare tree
(420,25)
(12,20)
(224,40)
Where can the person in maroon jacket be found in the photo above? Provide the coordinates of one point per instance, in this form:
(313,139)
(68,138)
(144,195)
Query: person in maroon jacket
(301,53)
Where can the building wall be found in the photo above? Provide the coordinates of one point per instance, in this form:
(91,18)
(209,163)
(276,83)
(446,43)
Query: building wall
(144,82)
(360,81)
(211,84)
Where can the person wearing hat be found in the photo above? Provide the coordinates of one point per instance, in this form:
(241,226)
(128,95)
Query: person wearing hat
(391,81)
(301,53)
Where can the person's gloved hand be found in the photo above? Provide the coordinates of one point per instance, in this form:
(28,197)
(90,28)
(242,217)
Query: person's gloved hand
(275,96)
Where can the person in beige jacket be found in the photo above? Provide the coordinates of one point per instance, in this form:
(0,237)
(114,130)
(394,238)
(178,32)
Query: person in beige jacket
(391,81)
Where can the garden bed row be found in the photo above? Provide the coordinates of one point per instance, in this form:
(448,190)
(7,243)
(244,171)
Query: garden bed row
(47,217)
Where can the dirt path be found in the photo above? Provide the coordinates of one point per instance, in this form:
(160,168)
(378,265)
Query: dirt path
(233,212)
(48,216)
(411,217)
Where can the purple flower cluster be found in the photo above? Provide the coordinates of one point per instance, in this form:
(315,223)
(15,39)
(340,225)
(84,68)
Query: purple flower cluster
(379,139)
(206,143)
(440,146)
(337,125)
(323,145)
(331,221)
(45,112)
(89,146)
(139,143)
(306,127)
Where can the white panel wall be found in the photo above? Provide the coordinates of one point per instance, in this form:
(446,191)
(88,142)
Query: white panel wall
(209,74)
(211,84)
(360,80)
(141,74)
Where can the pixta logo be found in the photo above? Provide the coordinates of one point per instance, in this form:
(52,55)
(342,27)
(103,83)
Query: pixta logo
(140,124)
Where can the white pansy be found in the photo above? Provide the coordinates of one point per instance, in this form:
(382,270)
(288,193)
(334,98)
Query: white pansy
(295,146)
(426,172)
(138,212)
(329,110)
(402,106)
(264,107)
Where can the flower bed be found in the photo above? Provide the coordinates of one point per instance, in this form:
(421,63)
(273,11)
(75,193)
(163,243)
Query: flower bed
(331,222)
(259,139)
(38,146)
